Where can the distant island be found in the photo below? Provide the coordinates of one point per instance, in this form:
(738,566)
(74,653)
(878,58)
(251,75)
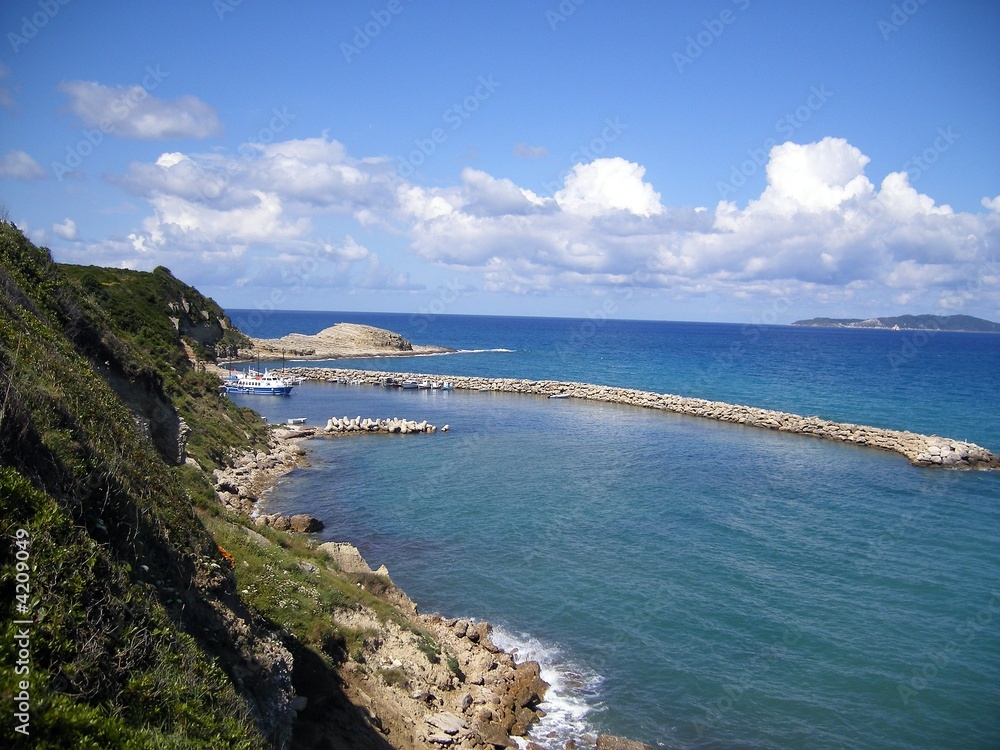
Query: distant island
(909,322)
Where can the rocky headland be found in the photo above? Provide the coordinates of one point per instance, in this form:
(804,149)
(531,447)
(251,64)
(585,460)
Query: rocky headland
(338,342)
(920,450)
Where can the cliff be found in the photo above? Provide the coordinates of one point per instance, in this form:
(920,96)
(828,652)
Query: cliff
(137,609)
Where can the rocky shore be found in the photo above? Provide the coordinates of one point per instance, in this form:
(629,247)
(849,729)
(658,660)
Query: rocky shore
(425,681)
(920,450)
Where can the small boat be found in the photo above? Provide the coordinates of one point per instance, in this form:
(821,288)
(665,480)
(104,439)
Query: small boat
(409,385)
(295,420)
(447,386)
(266,384)
(560,395)
(424,385)
(435,386)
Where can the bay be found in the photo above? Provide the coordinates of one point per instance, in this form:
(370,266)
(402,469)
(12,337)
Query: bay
(688,583)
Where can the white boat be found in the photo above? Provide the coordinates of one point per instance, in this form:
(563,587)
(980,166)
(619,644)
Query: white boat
(409,385)
(435,386)
(266,384)
(560,395)
(424,385)
(447,386)
(295,420)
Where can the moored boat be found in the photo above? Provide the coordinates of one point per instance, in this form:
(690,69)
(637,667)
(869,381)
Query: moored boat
(266,384)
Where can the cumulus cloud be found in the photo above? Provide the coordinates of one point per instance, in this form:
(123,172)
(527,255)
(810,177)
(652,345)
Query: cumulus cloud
(821,229)
(65,229)
(607,186)
(133,112)
(20,166)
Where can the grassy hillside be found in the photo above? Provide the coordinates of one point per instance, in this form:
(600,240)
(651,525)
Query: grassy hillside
(120,646)
(135,611)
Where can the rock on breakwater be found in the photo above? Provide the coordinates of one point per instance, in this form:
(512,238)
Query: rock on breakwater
(920,450)
(391,426)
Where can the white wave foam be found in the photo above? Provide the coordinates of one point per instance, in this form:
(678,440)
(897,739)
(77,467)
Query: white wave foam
(572,695)
(462,351)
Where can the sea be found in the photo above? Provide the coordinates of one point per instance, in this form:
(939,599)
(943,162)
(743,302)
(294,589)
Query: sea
(684,582)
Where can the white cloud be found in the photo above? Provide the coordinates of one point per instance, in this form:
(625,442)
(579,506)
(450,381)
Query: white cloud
(606,186)
(821,230)
(133,112)
(65,229)
(20,166)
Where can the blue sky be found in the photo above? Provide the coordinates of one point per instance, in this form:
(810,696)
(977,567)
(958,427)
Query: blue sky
(732,160)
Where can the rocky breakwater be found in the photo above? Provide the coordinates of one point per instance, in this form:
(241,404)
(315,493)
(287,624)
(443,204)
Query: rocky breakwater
(391,426)
(920,450)
(241,485)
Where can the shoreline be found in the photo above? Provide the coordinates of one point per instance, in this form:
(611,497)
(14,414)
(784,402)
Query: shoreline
(920,450)
(481,696)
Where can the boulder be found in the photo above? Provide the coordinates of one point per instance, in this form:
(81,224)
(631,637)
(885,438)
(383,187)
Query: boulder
(611,742)
(304,523)
(279,523)
(345,556)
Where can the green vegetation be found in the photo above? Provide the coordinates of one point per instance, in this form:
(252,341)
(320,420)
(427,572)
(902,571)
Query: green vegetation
(113,540)
(160,619)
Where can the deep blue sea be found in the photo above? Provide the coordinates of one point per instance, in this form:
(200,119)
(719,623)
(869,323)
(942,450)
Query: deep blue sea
(687,583)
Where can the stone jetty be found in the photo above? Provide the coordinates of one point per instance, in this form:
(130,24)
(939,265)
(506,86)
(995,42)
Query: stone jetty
(920,450)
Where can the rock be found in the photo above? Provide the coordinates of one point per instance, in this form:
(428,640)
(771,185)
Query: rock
(529,687)
(611,742)
(493,735)
(280,523)
(305,524)
(447,722)
(345,556)
(480,632)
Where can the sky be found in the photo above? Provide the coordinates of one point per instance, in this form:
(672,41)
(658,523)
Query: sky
(724,160)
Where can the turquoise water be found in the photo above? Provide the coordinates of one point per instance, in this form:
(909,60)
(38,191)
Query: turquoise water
(689,583)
